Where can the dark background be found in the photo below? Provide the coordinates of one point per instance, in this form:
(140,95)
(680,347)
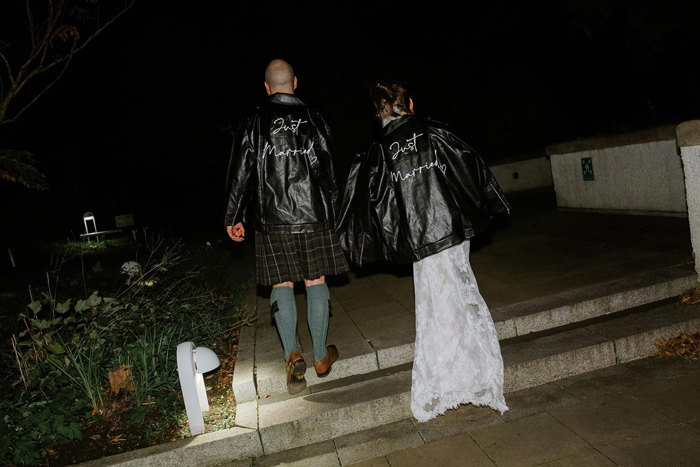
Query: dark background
(141,122)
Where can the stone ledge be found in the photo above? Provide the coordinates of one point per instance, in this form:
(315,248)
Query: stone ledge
(688,133)
(243,375)
(518,319)
(336,412)
(662,133)
(207,449)
(587,302)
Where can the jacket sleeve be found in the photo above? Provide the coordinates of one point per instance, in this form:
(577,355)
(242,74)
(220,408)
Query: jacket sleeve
(356,227)
(494,199)
(494,196)
(346,217)
(243,173)
(325,150)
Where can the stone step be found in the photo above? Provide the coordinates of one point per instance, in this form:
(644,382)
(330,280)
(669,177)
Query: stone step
(386,342)
(598,343)
(338,408)
(325,413)
(571,306)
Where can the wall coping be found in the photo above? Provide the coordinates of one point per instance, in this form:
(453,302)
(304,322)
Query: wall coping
(649,135)
(688,133)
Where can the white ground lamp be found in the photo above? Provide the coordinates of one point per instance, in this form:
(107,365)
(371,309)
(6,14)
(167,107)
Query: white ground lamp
(191,363)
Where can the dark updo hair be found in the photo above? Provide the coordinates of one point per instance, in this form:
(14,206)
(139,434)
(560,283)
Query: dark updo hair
(390,99)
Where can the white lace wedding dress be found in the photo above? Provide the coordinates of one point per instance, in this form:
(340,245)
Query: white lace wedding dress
(457,354)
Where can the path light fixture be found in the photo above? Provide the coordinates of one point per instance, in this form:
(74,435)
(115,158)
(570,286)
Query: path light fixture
(191,364)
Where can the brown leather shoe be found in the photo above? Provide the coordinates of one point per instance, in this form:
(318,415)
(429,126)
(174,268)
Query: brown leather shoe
(296,367)
(323,367)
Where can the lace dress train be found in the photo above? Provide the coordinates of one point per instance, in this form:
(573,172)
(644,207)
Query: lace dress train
(457,354)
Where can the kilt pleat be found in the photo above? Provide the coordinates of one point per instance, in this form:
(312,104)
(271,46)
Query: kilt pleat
(295,257)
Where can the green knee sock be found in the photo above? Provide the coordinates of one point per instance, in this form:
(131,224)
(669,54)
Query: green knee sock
(317,308)
(285,317)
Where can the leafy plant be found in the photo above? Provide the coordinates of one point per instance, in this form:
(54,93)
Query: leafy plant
(21,167)
(30,428)
(71,343)
(82,368)
(151,358)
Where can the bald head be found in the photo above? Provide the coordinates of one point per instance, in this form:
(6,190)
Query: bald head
(279,77)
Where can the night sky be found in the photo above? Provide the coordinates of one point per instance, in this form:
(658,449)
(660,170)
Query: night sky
(142,120)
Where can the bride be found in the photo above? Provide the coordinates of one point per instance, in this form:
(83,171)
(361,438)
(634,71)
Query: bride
(418,195)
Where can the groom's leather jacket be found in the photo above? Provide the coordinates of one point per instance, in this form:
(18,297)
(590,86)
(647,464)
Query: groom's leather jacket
(418,191)
(281,167)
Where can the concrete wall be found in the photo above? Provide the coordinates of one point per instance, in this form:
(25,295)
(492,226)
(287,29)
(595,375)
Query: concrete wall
(688,137)
(638,172)
(524,175)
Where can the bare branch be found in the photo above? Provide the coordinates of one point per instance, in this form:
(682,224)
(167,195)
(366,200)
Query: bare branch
(30,23)
(43,58)
(41,93)
(41,48)
(52,21)
(77,48)
(120,13)
(8,68)
(42,69)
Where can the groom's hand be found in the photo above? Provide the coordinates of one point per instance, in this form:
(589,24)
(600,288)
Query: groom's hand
(236,232)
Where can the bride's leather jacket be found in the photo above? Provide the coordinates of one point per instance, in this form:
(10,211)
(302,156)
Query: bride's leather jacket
(281,167)
(417,191)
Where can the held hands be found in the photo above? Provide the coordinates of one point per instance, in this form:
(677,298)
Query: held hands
(236,232)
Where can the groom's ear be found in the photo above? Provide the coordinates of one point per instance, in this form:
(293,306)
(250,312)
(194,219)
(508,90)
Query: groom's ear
(410,104)
(267,87)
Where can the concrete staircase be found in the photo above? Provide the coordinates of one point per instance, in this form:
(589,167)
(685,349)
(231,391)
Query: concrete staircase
(542,340)
(383,335)
(605,336)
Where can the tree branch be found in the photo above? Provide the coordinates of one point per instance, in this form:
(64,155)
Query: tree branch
(30,23)
(75,48)
(41,93)
(128,5)
(36,72)
(51,22)
(41,48)
(8,67)
(42,39)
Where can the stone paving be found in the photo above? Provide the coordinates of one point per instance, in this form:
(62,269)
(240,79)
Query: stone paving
(544,255)
(644,413)
(593,273)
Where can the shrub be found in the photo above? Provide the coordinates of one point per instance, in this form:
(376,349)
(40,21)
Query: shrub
(70,345)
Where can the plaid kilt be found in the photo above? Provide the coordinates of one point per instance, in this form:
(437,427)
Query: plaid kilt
(295,257)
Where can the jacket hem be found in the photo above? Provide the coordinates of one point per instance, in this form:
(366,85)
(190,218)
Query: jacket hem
(293,228)
(445,243)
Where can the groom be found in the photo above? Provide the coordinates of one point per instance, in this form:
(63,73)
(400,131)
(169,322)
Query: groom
(282,165)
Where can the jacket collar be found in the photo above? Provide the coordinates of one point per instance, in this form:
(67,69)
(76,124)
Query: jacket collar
(394,124)
(282,98)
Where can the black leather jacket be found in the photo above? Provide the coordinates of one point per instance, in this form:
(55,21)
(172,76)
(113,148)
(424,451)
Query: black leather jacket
(418,191)
(281,164)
